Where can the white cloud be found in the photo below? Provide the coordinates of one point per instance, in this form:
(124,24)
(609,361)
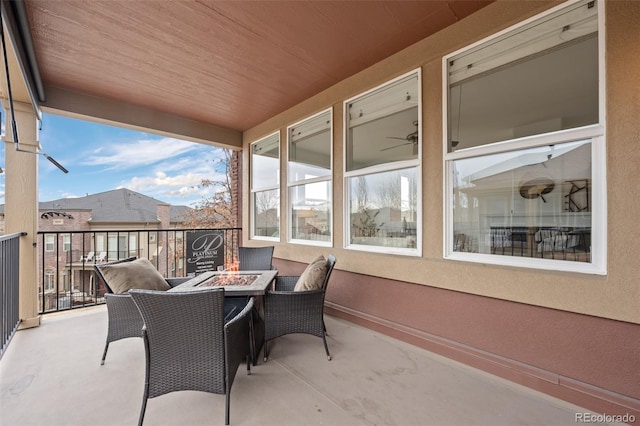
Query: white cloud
(140,153)
(163,180)
(70,195)
(205,161)
(178,188)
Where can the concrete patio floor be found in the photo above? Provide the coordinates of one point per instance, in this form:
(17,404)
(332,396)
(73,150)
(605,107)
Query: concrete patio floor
(51,375)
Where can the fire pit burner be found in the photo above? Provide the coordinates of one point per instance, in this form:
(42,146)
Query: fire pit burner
(229,279)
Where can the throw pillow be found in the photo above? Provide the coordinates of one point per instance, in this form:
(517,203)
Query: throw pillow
(312,277)
(139,273)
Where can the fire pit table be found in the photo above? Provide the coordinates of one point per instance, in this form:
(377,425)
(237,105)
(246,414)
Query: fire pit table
(235,283)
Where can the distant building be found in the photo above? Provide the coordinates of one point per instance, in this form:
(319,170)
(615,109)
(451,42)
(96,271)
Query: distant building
(76,233)
(116,208)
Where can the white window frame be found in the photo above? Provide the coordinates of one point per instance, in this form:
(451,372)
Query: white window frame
(66,242)
(133,242)
(595,133)
(294,183)
(116,244)
(100,242)
(66,281)
(254,190)
(49,242)
(49,284)
(380,168)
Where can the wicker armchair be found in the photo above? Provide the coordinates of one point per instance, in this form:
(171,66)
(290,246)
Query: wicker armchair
(287,311)
(255,258)
(188,346)
(124,319)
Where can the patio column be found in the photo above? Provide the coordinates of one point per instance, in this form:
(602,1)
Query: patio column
(21,203)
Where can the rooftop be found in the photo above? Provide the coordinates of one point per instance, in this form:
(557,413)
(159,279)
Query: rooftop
(52,375)
(118,205)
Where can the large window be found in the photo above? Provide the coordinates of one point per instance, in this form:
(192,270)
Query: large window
(265,188)
(525,145)
(382,168)
(309,179)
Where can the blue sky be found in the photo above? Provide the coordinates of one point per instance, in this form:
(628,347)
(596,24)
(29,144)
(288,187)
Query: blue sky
(101,158)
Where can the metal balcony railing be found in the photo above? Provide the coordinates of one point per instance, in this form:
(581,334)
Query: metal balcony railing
(9,286)
(66,277)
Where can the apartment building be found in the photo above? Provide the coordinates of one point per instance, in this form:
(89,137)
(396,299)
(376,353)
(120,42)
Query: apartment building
(75,233)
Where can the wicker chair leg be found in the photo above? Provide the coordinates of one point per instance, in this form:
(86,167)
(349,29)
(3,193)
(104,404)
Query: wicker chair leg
(266,350)
(227,406)
(147,373)
(326,348)
(144,407)
(252,345)
(104,354)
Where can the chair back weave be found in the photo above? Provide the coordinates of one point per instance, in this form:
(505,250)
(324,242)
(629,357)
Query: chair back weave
(255,258)
(184,339)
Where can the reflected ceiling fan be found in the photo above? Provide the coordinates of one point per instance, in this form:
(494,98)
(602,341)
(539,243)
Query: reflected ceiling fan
(411,138)
(535,188)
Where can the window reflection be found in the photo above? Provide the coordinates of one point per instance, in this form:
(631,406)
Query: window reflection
(266,213)
(530,203)
(265,181)
(311,211)
(265,162)
(542,78)
(384,209)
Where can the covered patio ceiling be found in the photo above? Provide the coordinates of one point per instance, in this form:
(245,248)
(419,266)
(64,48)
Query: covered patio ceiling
(229,65)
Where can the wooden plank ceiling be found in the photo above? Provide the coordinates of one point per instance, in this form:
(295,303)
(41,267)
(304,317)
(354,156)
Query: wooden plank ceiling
(232,64)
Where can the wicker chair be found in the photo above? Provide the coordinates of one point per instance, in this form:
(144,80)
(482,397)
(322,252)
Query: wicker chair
(124,318)
(188,345)
(287,311)
(255,258)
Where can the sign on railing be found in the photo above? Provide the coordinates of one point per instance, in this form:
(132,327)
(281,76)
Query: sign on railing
(205,251)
